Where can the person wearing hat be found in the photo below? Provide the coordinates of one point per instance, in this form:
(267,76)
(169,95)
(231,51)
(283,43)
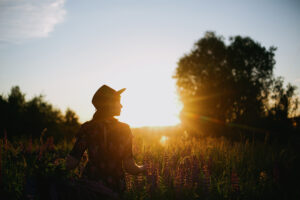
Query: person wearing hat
(108,143)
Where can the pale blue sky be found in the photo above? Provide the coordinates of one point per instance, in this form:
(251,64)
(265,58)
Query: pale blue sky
(67,49)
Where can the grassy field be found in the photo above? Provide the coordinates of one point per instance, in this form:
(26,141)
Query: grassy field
(179,167)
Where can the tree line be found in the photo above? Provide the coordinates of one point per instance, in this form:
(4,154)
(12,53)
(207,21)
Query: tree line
(30,118)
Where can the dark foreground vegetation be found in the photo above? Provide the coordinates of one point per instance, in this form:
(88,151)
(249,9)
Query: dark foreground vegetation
(179,168)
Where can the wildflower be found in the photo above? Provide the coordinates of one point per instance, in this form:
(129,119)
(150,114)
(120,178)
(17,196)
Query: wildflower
(29,146)
(276,173)
(5,140)
(209,163)
(166,162)
(41,152)
(179,179)
(138,182)
(42,135)
(50,143)
(21,147)
(155,175)
(146,161)
(202,161)
(0,162)
(128,181)
(43,148)
(235,181)
(262,176)
(187,172)
(188,182)
(206,182)
(166,169)
(195,170)
(59,161)
(180,176)
(173,161)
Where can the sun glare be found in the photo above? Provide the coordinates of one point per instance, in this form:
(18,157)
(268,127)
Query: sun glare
(163,140)
(149,107)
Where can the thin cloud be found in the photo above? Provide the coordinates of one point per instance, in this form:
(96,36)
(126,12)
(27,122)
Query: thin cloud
(297,80)
(27,19)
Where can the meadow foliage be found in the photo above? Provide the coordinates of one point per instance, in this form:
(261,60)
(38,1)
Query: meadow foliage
(179,167)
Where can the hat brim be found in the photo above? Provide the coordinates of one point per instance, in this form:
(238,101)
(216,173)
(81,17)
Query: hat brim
(121,91)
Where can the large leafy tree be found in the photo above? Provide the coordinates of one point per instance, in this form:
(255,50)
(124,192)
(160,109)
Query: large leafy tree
(224,82)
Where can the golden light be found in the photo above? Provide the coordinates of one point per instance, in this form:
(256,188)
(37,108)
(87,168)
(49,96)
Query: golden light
(149,103)
(163,140)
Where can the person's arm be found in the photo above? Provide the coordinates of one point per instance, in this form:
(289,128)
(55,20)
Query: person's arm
(132,168)
(129,164)
(72,160)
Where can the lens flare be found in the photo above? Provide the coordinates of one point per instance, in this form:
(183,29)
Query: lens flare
(163,140)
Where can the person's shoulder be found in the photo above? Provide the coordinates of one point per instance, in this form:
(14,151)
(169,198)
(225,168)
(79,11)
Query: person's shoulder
(124,127)
(87,127)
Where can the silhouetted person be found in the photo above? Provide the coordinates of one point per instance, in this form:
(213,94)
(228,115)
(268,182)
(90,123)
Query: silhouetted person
(108,143)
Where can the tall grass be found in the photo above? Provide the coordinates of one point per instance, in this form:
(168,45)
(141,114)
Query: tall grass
(178,168)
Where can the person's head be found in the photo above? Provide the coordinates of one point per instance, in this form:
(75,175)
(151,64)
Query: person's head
(108,100)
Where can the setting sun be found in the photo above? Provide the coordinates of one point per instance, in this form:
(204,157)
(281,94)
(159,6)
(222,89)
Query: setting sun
(151,106)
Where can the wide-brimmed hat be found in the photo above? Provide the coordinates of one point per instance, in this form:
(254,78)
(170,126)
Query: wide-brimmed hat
(106,95)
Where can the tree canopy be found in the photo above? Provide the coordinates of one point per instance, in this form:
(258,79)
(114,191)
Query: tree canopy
(221,83)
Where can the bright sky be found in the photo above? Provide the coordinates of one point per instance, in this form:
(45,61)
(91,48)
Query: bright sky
(67,49)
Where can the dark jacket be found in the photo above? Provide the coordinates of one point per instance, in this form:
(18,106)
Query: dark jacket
(108,142)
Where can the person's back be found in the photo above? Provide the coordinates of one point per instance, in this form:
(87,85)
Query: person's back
(108,143)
